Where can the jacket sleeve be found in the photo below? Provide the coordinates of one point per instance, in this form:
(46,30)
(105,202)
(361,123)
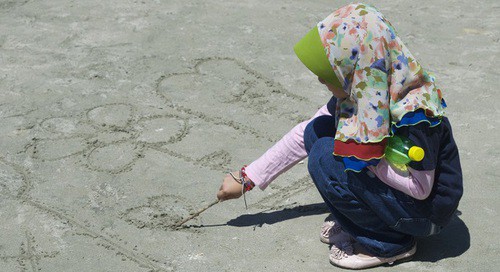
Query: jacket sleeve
(417,184)
(282,156)
(418,180)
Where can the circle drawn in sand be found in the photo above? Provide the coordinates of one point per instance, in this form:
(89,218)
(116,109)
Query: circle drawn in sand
(111,115)
(161,212)
(56,149)
(163,129)
(60,125)
(113,157)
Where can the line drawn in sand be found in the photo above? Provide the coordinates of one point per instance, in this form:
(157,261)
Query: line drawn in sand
(29,255)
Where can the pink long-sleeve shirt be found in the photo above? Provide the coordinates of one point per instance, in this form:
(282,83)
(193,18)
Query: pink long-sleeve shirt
(290,150)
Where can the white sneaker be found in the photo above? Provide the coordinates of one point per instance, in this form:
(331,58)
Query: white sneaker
(332,233)
(354,256)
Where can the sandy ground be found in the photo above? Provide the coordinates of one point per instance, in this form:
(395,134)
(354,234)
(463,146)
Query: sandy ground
(119,118)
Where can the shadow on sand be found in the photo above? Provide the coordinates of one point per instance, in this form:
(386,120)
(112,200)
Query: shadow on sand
(451,242)
(270,218)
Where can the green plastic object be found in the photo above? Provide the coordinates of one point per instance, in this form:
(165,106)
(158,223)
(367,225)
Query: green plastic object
(312,54)
(401,150)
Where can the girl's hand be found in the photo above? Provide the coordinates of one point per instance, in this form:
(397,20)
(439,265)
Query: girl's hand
(230,188)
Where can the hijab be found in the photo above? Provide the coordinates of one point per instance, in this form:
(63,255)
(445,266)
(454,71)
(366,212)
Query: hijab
(386,85)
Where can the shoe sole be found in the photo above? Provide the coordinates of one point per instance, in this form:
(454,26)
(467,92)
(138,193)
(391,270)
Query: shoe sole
(399,259)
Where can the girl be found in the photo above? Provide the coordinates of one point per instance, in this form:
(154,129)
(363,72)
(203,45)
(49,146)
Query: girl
(379,90)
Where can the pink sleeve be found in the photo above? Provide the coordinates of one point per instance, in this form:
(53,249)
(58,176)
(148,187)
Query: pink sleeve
(417,184)
(286,153)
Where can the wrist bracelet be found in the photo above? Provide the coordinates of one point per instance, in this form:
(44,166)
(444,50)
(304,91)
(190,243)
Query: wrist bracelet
(247,183)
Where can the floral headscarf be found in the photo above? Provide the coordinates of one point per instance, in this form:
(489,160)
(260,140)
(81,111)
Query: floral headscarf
(387,87)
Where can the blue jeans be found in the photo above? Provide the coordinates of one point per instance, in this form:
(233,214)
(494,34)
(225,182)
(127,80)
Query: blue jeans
(382,219)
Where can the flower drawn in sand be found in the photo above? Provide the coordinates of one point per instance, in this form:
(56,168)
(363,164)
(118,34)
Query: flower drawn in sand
(213,102)
(108,138)
(229,88)
(160,212)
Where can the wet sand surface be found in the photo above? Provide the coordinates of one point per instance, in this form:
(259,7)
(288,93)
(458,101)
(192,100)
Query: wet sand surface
(120,118)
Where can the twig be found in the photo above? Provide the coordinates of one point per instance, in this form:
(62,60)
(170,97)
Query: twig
(179,224)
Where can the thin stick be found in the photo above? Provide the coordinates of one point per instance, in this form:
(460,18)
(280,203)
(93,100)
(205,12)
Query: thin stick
(179,224)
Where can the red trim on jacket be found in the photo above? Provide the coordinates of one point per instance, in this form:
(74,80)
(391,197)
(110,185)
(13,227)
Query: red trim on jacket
(362,151)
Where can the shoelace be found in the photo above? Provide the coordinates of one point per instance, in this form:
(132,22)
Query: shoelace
(341,252)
